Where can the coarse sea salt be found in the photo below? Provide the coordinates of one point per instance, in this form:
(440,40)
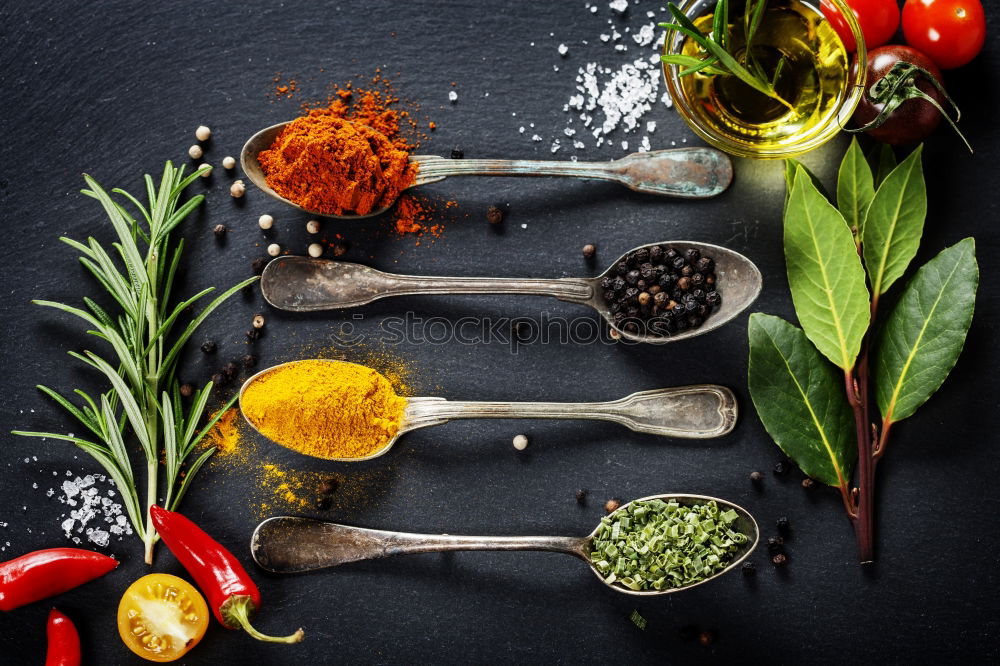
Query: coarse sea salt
(94,517)
(613,93)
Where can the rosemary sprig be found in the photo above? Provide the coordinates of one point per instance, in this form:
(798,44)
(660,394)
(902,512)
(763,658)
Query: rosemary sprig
(143,401)
(718,59)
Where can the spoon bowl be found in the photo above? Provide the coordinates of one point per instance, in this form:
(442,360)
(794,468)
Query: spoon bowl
(690,173)
(287,544)
(302,284)
(701,411)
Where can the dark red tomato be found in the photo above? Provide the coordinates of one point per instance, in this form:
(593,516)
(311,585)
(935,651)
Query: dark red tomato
(878,19)
(949,32)
(915,118)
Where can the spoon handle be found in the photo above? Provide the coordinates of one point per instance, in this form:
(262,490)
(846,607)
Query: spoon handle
(575,290)
(694,172)
(287,544)
(695,412)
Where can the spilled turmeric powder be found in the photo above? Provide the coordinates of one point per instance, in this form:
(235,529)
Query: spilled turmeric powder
(225,434)
(323,408)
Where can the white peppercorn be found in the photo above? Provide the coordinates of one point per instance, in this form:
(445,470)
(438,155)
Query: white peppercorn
(274,249)
(265,221)
(202,133)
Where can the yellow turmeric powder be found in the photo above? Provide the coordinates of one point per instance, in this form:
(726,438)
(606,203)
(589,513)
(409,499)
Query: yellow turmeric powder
(225,434)
(327,409)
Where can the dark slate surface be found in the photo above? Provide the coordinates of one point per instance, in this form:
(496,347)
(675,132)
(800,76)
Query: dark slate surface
(114,90)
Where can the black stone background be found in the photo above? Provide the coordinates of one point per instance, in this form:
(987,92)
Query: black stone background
(115,88)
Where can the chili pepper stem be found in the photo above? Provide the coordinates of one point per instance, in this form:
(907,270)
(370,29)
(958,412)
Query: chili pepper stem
(237,613)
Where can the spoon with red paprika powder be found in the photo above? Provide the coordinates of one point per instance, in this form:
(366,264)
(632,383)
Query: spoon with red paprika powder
(333,167)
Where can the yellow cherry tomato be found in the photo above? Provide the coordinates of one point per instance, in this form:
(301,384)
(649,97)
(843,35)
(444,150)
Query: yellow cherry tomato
(161,617)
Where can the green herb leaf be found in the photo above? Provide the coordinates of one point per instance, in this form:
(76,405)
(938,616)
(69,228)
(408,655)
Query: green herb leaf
(791,166)
(855,187)
(825,274)
(800,400)
(894,223)
(924,334)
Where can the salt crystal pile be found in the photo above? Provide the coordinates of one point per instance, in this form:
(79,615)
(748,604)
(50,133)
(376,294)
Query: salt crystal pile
(611,98)
(94,515)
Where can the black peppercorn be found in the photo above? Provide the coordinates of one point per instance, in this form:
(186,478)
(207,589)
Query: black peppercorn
(208,346)
(621,268)
(748,569)
(581,496)
(253,334)
(229,371)
(678,262)
(494,215)
(782,524)
(249,361)
(609,295)
(779,559)
(808,483)
(641,285)
(220,231)
(756,478)
(704,265)
(669,254)
(258,265)
(692,254)
(641,255)
(186,390)
(619,284)
(589,251)
(687,271)
(631,294)
(697,279)
(775,544)
(656,254)
(661,299)
(694,321)
(684,283)
(712,298)
(457,153)
(632,277)
(781,467)
(606,282)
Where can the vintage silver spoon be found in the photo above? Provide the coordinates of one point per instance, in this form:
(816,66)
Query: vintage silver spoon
(301,284)
(701,411)
(286,544)
(691,173)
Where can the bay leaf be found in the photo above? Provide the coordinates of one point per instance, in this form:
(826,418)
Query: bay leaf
(791,166)
(925,332)
(855,187)
(825,274)
(894,223)
(800,399)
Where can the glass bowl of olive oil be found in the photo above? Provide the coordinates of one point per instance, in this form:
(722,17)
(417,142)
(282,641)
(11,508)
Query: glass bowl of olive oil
(811,70)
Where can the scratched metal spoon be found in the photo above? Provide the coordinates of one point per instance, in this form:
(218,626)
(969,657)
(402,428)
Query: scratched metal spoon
(691,173)
(700,411)
(301,284)
(286,544)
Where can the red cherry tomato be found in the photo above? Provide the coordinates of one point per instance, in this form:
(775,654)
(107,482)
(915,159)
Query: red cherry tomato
(878,20)
(949,32)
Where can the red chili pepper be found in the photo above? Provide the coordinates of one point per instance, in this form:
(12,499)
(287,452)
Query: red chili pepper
(64,641)
(234,598)
(46,573)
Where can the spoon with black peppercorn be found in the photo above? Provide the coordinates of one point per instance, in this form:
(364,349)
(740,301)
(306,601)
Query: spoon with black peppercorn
(657,293)
(287,544)
(690,173)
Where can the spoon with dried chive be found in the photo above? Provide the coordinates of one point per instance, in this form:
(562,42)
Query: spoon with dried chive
(654,545)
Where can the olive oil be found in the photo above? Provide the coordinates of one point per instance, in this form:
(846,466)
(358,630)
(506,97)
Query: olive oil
(797,46)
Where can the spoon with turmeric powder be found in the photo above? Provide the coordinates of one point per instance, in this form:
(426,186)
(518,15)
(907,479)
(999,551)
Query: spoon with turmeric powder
(653,545)
(349,412)
(335,168)
(657,293)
